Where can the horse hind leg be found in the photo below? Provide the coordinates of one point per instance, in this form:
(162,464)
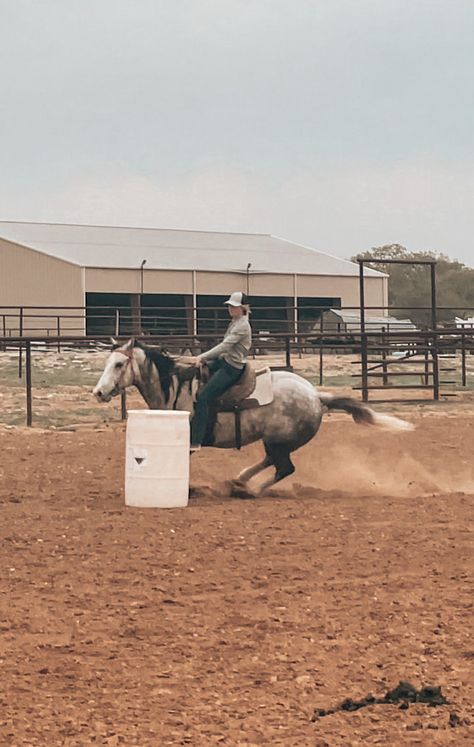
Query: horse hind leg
(279,456)
(239,487)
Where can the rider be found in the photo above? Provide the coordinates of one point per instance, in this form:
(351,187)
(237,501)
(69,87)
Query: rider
(226,362)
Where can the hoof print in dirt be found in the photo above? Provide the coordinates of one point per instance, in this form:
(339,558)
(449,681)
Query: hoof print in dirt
(403,694)
(415,727)
(455,720)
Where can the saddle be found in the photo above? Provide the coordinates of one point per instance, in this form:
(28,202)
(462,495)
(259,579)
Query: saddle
(252,389)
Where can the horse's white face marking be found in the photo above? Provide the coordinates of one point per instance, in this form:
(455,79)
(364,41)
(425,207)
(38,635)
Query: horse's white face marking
(118,374)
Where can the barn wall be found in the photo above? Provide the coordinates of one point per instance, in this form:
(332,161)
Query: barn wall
(129,281)
(219,283)
(268,284)
(346,288)
(30,278)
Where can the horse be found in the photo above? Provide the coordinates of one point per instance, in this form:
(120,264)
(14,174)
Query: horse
(289,422)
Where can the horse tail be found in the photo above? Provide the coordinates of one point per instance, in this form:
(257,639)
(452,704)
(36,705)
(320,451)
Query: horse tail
(362,414)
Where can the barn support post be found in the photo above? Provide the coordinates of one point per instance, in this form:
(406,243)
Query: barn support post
(295,306)
(29,403)
(20,347)
(194,303)
(58,330)
(135,303)
(189,315)
(321,347)
(117,322)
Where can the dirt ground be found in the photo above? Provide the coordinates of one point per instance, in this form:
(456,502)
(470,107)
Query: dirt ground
(230,621)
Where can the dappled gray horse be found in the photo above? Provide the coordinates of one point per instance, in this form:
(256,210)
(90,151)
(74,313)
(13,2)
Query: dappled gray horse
(290,421)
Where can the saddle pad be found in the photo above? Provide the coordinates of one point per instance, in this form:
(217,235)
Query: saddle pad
(263,392)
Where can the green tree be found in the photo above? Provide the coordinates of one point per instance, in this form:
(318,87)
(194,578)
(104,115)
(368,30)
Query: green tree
(409,285)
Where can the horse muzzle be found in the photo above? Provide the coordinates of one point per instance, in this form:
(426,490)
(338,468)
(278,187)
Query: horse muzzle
(102,396)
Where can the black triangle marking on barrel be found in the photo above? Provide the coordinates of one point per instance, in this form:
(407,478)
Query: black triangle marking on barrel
(139,460)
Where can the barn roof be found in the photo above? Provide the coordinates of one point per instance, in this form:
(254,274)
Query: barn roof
(170,249)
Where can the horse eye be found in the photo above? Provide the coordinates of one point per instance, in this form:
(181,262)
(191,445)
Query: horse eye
(118,365)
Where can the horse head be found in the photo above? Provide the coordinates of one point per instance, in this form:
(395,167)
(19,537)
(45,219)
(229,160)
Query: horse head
(149,368)
(120,370)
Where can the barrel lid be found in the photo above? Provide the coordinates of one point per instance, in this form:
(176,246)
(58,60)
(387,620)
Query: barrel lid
(160,413)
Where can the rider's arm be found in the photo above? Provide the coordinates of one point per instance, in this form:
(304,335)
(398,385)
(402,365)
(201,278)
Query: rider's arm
(231,338)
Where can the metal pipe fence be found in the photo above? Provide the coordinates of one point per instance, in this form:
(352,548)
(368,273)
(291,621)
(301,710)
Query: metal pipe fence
(51,321)
(421,354)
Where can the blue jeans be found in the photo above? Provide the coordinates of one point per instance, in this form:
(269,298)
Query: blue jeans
(224,376)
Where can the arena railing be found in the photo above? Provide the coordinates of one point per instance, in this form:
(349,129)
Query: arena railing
(429,344)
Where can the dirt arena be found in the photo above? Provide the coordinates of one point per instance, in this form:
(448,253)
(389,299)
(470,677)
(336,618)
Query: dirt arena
(230,621)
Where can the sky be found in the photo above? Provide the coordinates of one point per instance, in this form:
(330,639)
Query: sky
(339,124)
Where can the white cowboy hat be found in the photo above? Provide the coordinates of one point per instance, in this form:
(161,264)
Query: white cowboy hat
(236,299)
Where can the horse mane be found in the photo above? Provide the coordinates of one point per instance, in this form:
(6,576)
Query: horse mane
(164,364)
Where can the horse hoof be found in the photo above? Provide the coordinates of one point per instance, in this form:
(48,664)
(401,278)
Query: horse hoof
(239,489)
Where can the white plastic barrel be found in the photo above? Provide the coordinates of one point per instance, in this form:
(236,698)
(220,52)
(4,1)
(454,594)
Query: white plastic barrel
(157,459)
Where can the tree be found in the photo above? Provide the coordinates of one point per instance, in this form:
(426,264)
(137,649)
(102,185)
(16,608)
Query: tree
(409,285)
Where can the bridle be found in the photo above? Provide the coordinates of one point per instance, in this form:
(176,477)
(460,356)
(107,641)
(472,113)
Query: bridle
(129,362)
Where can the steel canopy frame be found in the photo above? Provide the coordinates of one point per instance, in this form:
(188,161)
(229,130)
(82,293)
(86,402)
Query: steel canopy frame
(431,263)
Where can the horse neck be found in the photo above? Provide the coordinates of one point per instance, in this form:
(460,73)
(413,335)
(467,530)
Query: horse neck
(148,384)
(182,393)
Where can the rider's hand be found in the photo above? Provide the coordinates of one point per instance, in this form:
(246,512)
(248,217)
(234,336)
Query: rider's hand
(197,361)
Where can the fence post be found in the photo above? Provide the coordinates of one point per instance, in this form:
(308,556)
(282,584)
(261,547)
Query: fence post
(364,362)
(123,404)
(463,359)
(288,352)
(117,322)
(385,342)
(58,329)
(29,409)
(435,369)
(427,368)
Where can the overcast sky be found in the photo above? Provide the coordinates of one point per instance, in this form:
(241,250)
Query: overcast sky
(341,124)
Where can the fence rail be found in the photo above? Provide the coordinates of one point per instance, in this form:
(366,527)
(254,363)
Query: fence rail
(53,321)
(427,353)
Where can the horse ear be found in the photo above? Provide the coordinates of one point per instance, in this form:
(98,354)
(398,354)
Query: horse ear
(114,342)
(130,345)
